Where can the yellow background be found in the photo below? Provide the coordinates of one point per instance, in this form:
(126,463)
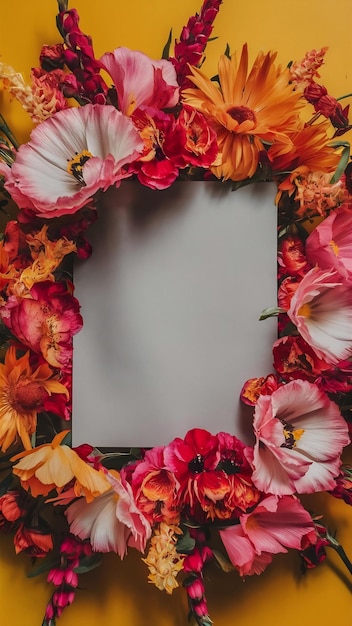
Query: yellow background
(118,593)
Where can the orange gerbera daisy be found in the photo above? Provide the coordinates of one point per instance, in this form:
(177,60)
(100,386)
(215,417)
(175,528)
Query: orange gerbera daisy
(246,110)
(52,466)
(22,393)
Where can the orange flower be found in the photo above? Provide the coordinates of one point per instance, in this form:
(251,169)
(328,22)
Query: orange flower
(32,541)
(309,151)
(47,256)
(22,393)
(52,466)
(247,110)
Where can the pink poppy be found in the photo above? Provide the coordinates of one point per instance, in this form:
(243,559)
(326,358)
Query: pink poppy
(300,435)
(330,244)
(45,322)
(139,81)
(275,525)
(70,157)
(321,308)
(111,521)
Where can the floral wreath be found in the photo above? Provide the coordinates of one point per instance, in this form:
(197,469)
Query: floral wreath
(157,122)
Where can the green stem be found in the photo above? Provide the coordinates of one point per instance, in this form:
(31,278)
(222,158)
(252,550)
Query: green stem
(343,556)
(347,95)
(4,128)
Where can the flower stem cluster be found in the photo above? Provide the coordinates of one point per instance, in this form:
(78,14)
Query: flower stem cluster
(189,49)
(65,577)
(194,564)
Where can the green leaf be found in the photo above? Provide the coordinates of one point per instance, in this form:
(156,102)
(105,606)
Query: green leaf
(186,543)
(44,565)
(227,52)
(345,156)
(166,48)
(223,561)
(88,563)
(67,440)
(272,311)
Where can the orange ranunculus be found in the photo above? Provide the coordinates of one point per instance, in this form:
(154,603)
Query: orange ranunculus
(246,110)
(52,466)
(22,394)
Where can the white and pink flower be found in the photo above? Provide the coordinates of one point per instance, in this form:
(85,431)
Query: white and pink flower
(330,244)
(70,157)
(321,308)
(112,521)
(300,434)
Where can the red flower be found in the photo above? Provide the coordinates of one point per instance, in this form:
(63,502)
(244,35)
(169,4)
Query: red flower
(294,358)
(154,169)
(193,461)
(255,387)
(192,141)
(291,257)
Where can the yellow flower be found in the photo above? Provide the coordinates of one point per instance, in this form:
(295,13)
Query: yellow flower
(22,393)
(163,561)
(247,110)
(52,466)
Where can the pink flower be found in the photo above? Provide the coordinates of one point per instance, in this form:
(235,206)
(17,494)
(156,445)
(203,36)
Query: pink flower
(321,308)
(330,244)
(70,157)
(275,525)
(140,81)
(300,435)
(45,322)
(154,487)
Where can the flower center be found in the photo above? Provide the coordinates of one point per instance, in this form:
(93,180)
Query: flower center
(305,310)
(196,466)
(75,165)
(291,435)
(25,397)
(334,247)
(241,114)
